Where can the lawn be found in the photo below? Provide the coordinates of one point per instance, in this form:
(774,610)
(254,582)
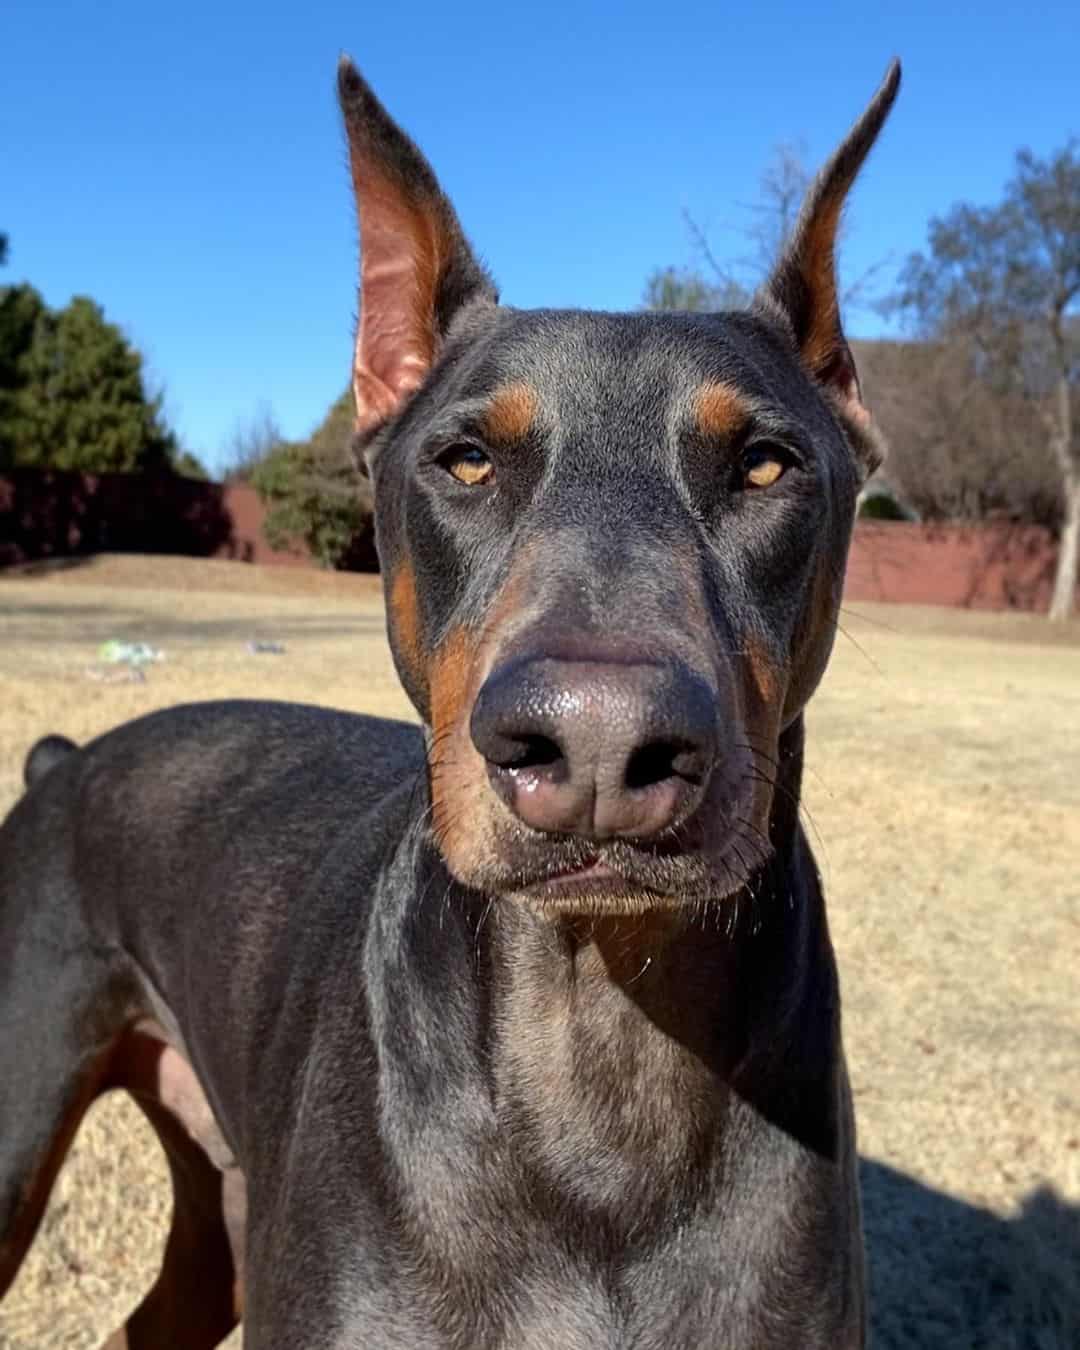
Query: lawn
(943,801)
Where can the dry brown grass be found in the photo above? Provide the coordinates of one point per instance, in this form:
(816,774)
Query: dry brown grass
(944,788)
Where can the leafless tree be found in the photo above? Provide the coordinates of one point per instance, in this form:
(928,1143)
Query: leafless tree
(1004,283)
(249,443)
(959,448)
(713,284)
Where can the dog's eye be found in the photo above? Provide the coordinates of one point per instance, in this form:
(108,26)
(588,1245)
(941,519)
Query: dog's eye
(468,464)
(763,465)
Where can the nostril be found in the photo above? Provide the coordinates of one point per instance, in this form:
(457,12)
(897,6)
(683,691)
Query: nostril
(519,749)
(526,752)
(660,760)
(514,727)
(530,773)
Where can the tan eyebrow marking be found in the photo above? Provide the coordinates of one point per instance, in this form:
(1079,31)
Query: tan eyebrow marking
(720,410)
(510,415)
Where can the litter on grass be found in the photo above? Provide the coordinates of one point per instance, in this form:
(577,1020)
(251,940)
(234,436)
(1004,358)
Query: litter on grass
(117,653)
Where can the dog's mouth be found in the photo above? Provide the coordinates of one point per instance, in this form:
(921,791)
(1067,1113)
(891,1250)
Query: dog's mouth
(593,876)
(572,875)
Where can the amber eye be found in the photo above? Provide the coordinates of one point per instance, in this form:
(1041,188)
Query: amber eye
(468,464)
(763,466)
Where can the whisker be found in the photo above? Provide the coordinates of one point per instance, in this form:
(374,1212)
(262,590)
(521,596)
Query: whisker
(479,928)
(869,618)
(859,648)
(798,803)
(777,764)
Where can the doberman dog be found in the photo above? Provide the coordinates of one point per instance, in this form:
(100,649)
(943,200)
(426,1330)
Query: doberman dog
(520,1028)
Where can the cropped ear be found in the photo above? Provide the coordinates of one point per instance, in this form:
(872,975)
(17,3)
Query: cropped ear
(802,290)
(416,268)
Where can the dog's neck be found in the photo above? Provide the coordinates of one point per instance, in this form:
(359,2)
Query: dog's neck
(614,1044)
(619,1058)
(622,1046)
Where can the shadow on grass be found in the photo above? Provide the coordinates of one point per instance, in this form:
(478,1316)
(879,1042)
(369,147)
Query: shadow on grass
(948,1275)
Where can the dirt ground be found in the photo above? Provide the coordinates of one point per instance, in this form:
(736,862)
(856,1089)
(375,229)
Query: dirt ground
(943,798)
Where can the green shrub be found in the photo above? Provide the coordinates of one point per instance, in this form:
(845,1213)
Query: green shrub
(317,497)
(882,506)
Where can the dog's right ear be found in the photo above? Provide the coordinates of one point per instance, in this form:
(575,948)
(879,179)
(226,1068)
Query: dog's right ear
(416,268)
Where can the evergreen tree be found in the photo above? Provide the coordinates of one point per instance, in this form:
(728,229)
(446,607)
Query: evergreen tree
(22,316)
(72,392)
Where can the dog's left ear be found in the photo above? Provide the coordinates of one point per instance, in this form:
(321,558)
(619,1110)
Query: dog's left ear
(416,268)
(802,290)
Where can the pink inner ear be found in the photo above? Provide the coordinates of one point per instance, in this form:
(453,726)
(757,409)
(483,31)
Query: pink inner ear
(400,265)
(392,357)
(840,376)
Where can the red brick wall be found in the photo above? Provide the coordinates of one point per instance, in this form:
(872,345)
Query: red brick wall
(970,566)
(245,510)
(47,514)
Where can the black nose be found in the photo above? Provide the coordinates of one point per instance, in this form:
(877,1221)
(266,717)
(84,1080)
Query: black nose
(596,749)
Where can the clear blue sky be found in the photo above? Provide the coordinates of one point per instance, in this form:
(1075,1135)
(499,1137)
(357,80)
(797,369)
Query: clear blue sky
(183,164)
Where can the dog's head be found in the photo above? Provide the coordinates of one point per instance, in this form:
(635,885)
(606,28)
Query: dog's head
(612,544)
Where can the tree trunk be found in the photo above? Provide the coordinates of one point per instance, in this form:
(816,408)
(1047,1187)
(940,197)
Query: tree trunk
(1064,596)
(1068,564)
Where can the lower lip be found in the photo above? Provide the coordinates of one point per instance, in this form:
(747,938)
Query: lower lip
(594,871)
(580,881)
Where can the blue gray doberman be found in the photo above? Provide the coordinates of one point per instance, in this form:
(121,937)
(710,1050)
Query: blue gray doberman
(518,1030)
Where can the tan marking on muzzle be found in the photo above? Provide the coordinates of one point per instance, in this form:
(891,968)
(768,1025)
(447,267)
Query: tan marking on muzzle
(450,671)
(762,687)
(464,806)
(767,678)
(405,616)
(455,783)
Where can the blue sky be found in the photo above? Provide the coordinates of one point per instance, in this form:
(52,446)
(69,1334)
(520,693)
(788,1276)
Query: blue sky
(184,165)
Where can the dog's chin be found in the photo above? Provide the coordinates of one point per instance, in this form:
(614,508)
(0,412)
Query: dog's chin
(568,877)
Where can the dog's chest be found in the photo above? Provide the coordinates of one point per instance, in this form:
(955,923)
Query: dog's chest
(682,1301)
(483,1258)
